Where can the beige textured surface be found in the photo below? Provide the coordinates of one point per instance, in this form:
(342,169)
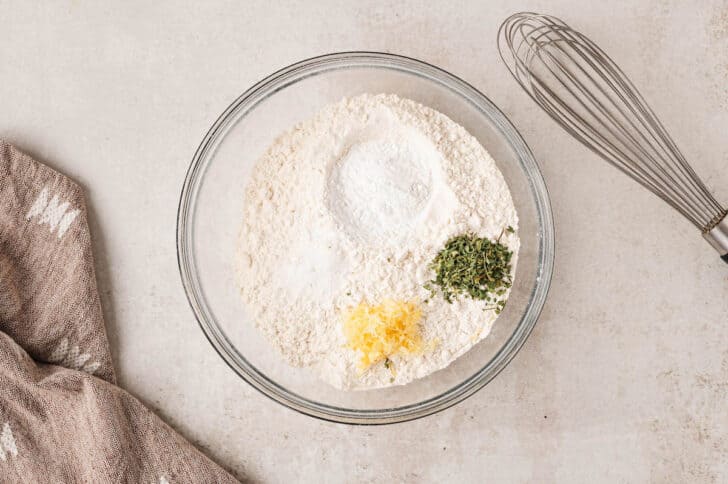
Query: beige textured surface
(625,378)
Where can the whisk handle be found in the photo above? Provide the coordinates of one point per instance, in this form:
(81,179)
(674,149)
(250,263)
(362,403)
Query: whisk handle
(717,236)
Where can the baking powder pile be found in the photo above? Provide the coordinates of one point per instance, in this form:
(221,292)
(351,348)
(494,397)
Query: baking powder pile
(351,206)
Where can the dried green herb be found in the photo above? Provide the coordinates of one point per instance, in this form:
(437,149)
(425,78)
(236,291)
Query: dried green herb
(473,266)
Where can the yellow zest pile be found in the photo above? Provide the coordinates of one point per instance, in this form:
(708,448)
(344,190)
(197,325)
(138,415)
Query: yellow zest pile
(380,331)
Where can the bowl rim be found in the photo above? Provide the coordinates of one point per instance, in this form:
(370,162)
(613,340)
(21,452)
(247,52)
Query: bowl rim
(227,351)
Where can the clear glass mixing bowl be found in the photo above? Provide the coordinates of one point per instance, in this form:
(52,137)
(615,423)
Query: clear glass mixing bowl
(210,215)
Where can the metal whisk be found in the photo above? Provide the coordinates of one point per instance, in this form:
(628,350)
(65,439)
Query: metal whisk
(585,92)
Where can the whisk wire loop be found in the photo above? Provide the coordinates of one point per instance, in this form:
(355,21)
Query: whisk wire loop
(582,88)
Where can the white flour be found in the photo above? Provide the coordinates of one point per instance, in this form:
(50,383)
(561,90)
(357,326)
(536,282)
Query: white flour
(352,206)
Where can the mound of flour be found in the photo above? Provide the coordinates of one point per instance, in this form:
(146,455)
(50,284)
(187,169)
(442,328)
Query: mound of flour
(351,206)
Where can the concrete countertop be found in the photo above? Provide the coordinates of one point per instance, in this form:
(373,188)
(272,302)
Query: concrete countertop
(625,378)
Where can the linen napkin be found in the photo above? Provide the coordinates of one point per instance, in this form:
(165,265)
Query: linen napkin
(62,418)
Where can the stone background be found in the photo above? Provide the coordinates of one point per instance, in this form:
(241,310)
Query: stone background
(625,377)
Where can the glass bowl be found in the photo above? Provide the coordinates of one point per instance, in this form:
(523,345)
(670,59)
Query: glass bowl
(211,210)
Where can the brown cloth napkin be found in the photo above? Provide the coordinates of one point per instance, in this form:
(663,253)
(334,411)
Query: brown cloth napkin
(62,419)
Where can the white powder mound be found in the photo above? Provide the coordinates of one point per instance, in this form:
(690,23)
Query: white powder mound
(352,206)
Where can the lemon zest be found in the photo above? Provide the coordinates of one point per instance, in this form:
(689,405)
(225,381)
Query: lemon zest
(382,330)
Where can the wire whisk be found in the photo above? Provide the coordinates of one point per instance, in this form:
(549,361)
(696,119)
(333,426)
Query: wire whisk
(586,93)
